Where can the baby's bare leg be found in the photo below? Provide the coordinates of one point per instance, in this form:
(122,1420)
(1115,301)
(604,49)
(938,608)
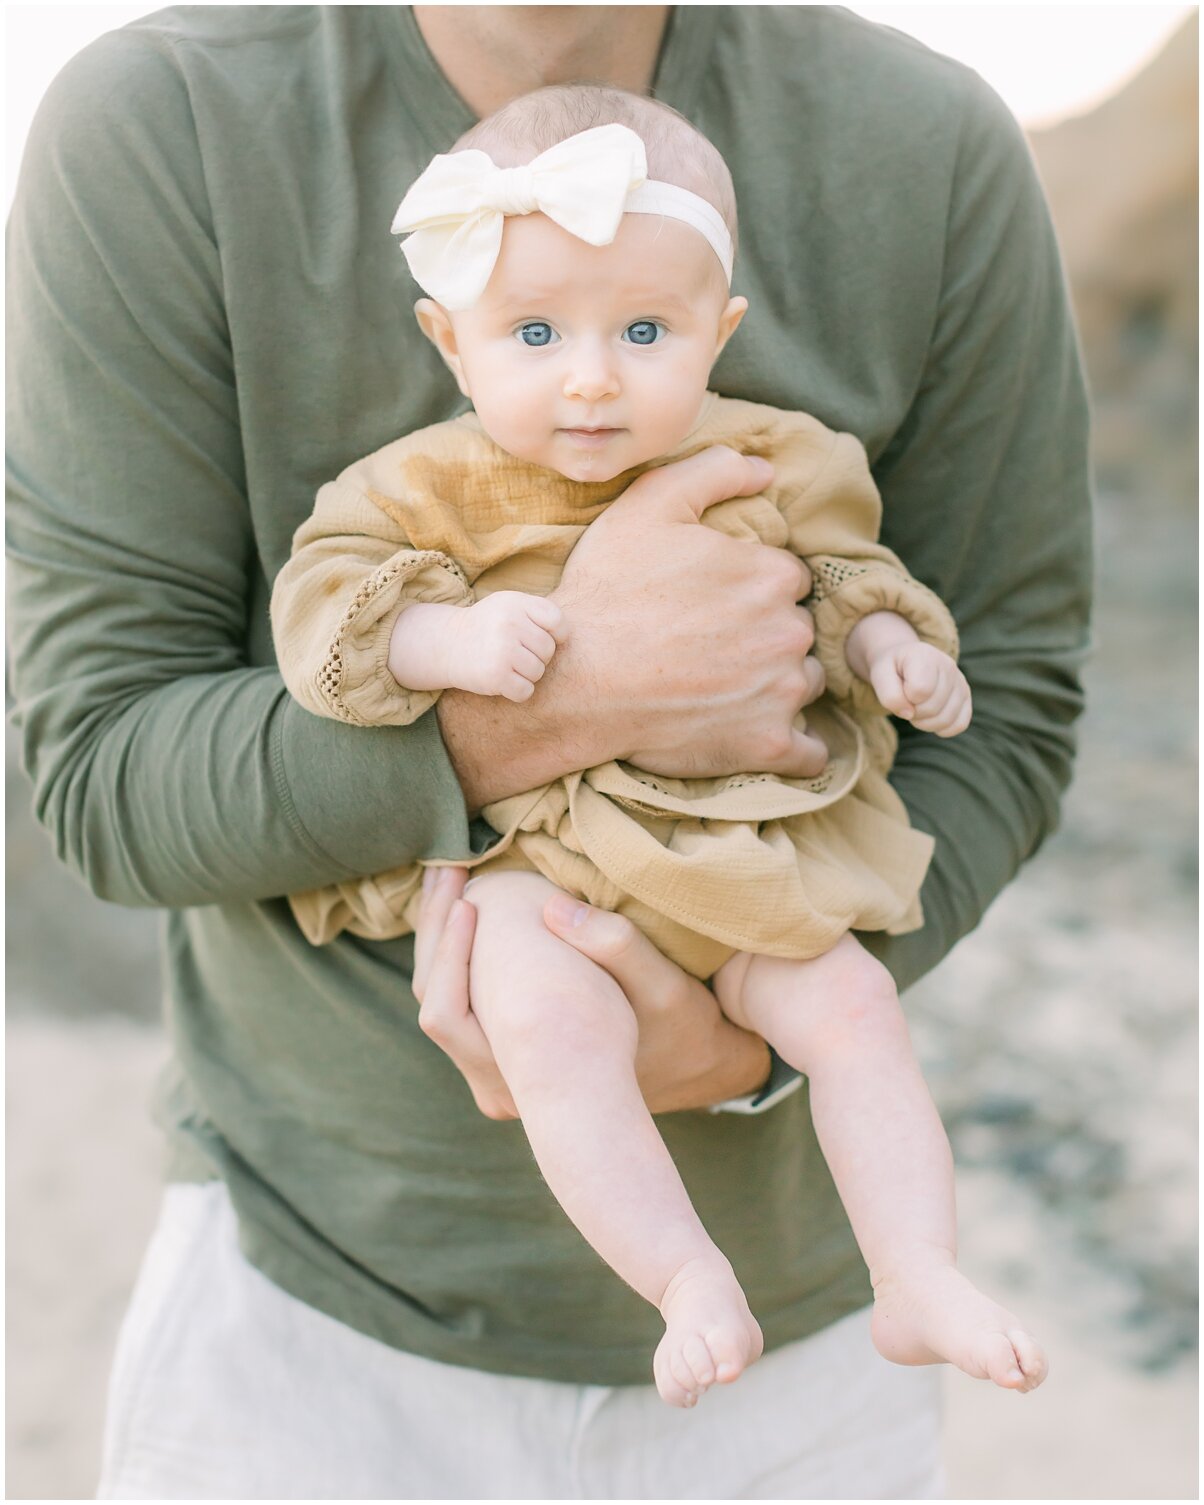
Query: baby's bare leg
(564,1038)
(837,1019)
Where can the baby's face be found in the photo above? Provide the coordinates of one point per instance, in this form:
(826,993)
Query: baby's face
(590,359)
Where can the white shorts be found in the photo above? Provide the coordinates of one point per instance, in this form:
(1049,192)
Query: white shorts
(225,1387)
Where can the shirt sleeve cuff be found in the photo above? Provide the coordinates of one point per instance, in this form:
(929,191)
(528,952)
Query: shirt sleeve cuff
(843,598)
(365,799)
(355,679)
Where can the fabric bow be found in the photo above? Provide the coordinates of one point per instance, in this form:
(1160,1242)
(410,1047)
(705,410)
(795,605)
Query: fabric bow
(457,208)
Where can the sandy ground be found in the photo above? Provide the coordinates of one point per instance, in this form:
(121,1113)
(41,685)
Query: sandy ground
(1059,1040)
(83,1204)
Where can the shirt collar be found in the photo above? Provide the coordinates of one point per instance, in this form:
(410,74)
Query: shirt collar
(440,115)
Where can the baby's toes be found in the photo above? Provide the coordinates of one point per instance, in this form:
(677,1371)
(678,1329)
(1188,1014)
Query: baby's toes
(697,1358)
(997,1357)
(733,1350)
(685,1376)
(1031,1357)
(670,1387)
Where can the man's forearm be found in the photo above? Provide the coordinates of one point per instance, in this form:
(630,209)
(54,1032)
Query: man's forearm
(241,794)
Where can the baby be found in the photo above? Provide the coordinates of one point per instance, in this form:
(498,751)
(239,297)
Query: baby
(577,248)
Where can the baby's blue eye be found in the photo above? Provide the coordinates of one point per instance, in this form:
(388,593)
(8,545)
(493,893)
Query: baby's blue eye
(643,332)
(536,334)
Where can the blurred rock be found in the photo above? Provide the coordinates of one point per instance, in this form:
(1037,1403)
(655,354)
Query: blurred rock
(1122,184)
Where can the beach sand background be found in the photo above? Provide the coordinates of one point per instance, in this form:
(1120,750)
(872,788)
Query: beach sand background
(1059,1038)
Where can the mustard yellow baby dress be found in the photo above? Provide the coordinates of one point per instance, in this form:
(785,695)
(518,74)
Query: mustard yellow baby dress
(705,867)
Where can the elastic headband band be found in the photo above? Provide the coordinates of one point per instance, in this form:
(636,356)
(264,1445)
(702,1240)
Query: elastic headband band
(655,197)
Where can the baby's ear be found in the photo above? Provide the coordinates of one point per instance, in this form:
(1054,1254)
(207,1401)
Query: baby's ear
(729,322)
(435,322)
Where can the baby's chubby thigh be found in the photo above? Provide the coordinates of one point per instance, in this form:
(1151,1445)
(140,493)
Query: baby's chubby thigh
(552,1016)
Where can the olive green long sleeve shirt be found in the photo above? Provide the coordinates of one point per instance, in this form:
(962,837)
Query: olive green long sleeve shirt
(207,320)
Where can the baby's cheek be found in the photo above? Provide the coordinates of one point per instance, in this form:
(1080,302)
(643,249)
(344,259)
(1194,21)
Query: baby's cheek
(676,418)
(509,423)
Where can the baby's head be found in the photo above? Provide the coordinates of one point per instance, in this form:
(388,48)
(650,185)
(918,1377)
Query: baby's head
(588,359)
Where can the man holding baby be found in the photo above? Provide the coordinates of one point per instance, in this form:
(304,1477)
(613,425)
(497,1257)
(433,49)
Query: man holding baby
(368,1290)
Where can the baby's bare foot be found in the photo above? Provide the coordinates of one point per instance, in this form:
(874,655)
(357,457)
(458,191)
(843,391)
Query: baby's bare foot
(929,1313)
(710,1337)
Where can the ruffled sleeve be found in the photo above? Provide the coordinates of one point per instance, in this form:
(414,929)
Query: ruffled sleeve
(334,605)
(846,590)
(833,518)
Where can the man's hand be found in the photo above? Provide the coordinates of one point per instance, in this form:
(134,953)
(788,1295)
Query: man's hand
(442,946)
(696,639)
(686,651)
(689,1055)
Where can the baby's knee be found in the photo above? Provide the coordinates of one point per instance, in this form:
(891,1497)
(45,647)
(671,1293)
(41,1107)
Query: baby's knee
(559,1042)
(570,1019)
(557,1011)
(864,997)
(544,1000)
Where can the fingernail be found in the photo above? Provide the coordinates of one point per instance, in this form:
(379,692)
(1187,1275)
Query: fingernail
(565,911)
(428,879)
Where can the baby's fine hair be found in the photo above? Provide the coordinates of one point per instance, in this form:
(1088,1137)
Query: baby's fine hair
(677,151)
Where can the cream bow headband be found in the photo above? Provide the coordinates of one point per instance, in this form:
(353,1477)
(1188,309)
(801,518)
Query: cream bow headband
(586,184)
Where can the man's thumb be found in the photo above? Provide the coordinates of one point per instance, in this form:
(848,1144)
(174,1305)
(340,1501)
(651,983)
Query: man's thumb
(602,936)
(688,487)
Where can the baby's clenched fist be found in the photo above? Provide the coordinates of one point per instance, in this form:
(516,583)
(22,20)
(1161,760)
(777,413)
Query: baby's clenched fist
(920,684)
(502,644)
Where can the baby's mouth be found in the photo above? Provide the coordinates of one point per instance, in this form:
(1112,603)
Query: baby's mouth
(591,438)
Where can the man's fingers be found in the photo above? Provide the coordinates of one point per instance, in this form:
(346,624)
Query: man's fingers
(643,973)
(808,756)
(441,887)
(691,486)
(446,930)
(780,569)
(447,1019)
(445,1007)
(816,679)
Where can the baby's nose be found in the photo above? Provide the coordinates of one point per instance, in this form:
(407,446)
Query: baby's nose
(592,374)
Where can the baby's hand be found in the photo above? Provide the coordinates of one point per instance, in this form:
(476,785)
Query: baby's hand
(924,686)
(503,644)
